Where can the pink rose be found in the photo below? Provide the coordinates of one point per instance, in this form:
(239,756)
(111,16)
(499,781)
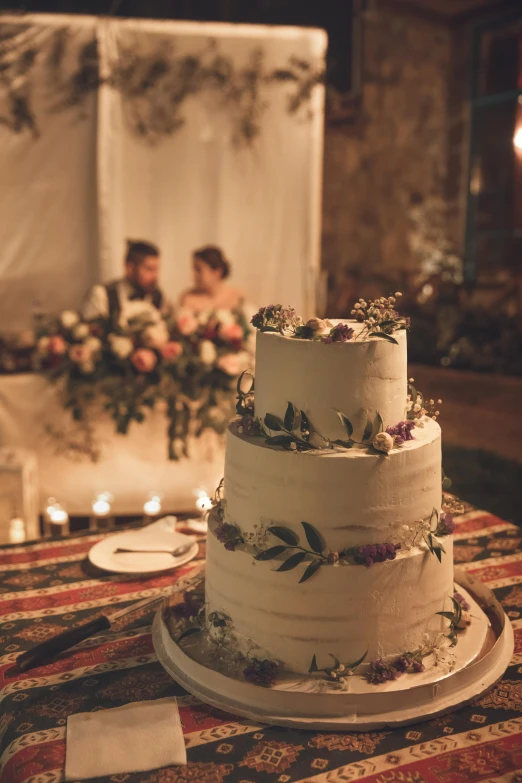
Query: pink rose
(233,363)
(57,345)
(187,323)
(80,353)
(171,351)
(144,360)
(232,333)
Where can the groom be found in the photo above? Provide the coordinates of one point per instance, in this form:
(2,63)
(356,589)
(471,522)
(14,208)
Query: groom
(142,263)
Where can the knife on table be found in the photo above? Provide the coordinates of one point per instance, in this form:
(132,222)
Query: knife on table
(57,644)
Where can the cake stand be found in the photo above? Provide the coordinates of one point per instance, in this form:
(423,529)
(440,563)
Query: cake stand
(467,670)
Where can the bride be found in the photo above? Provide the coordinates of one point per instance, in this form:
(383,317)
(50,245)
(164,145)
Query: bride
(210,270)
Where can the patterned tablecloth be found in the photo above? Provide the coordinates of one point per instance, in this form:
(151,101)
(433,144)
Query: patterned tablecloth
(48,586)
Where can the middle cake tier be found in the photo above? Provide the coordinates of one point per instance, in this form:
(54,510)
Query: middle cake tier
(351,496)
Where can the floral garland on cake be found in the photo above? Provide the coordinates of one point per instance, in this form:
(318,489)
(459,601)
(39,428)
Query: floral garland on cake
(186,364)
(426,534)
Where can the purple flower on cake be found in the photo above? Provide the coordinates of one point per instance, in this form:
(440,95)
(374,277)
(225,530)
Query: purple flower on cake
(368,554)
(446,525)
(401,432)
(459,598)
(417,667)
(261,673)
(229,535)
(379,672)
(339,334)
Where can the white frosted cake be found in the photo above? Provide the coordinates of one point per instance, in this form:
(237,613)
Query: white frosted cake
(329,541)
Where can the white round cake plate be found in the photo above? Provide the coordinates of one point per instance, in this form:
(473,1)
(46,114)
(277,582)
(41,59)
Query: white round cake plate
(480,659)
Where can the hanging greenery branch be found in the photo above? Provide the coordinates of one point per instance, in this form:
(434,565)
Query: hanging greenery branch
(155,83)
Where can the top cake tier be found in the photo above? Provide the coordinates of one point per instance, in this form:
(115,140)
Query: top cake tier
(359,378)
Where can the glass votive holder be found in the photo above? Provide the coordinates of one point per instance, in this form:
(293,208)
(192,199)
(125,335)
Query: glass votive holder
(151,509)
(56,523)
(102,518)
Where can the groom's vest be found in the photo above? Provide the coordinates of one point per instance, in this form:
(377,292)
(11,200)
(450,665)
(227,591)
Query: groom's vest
(113,299)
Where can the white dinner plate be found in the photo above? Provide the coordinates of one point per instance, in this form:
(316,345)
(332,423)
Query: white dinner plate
(103,554)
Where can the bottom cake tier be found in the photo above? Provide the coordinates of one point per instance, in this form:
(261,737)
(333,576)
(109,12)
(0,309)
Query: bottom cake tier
(343,612)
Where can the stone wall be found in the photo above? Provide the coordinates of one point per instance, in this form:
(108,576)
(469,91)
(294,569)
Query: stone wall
(393,156)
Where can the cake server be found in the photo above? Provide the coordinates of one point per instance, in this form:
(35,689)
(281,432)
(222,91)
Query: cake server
(57,644)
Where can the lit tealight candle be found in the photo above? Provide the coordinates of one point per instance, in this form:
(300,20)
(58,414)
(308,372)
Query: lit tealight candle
(151,509)
(57,519)
(101,518)
(203,503)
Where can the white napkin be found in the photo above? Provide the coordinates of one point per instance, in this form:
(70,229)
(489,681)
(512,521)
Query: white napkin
(134,738)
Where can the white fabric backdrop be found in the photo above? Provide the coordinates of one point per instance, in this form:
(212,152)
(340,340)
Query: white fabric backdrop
(69,198)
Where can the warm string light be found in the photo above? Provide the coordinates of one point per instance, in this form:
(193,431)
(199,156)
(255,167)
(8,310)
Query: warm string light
(151,508)
(56,519)
(517,139)
(203,502)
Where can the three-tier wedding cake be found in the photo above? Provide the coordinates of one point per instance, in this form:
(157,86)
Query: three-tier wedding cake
(329,575)
(329,542)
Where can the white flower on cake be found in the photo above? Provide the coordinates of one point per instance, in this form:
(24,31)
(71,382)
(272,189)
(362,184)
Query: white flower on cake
(69,319)
(207,352)
(465,620)
(383,442)
(80,331)
(121,346)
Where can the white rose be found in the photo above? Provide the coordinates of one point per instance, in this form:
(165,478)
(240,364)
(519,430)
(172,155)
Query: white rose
(207,352)
(465,620)
(121,346)
(139,310)
(383,442)
(94,344)
(202,317)
(225,317)
(318,325)
(43,344)
(80,331)
(156,336)
(69,319)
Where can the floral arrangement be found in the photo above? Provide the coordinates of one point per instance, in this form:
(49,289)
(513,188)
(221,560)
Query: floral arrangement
(186,363)
(380,319)
(339,671)
(418,408)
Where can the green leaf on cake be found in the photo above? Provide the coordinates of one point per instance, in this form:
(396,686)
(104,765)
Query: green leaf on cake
(447,615)
(384,336)
(305,424)
(285,534)
(239,384)
(379,424)
(292,562)
(310,570)
(313,666)
(292,420)
(313,538)
(336,660)
(358,662)
(346,444)
(347,424)
(269,554)
(367,434)
(446,481)
(188,632)
(273,423)
(280,440)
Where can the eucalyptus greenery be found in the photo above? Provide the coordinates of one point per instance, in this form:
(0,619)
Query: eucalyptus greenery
(339,670)
(455,619)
